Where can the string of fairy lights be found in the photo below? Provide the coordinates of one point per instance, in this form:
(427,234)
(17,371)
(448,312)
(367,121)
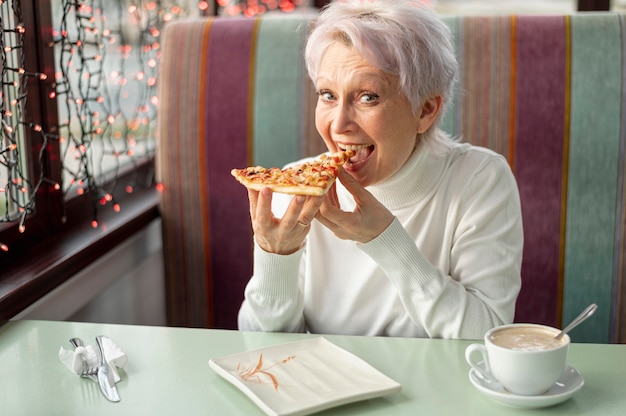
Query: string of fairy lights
(107,56)
(105,86)
(16,189)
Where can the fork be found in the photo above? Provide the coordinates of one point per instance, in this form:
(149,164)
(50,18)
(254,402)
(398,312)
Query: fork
(89,372)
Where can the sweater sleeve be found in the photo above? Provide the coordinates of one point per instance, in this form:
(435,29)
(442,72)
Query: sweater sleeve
(480,288)
(273,299)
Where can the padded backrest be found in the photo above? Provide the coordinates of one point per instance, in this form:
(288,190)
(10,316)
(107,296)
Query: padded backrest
(545,91)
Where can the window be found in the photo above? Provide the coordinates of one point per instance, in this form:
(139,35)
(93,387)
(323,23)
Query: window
(78,106)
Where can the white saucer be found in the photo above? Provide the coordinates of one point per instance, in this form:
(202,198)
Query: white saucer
(568,383)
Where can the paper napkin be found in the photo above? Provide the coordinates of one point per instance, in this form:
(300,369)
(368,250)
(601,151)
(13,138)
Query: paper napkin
(73,359)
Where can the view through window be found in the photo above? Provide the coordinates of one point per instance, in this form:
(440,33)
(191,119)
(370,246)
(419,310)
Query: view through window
(106,65)
(99,62)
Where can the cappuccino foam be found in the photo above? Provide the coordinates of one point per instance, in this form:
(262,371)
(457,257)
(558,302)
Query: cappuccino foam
(526,338)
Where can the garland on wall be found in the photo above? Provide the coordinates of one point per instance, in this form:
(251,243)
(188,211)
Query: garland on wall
(107,56)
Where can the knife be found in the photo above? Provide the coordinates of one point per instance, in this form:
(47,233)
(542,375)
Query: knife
(105,378)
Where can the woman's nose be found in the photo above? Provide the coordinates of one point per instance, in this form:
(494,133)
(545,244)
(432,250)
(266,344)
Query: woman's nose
(343,119)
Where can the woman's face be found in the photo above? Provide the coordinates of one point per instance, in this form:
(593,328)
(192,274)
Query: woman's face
(361,108)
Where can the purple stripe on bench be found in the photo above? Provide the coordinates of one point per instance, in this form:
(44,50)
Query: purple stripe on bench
(227,111)
(539,140)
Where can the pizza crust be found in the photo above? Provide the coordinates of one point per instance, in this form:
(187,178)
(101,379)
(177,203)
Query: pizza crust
(284,189)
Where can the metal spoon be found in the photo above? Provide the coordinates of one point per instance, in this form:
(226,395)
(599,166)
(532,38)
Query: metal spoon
(584,315)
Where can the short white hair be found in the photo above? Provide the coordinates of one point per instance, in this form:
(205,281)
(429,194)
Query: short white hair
(405,38)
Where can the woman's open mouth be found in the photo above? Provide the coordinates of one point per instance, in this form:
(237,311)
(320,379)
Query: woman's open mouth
(363,152)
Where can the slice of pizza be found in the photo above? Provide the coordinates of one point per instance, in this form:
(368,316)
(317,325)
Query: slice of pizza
(310,178)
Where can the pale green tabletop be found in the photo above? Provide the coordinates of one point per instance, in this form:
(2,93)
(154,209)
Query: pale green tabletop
(168,374)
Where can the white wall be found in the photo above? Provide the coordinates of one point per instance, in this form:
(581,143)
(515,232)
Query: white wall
(487,7)
(124,286)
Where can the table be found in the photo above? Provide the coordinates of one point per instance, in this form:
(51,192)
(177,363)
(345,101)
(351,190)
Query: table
(168,374)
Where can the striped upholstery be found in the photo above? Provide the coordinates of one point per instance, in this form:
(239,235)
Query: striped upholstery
(545,91)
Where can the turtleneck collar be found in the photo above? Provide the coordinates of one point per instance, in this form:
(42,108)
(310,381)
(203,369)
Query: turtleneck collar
(415,180)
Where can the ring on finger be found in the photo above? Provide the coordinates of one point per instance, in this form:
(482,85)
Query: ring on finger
(302,224)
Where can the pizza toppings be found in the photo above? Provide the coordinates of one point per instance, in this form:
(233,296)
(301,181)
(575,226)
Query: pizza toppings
(361,152)
(311,178)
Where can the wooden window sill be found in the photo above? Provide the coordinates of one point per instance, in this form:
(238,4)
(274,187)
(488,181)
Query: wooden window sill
(37,270)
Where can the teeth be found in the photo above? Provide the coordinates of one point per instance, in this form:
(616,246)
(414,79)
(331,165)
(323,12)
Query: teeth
(354,147)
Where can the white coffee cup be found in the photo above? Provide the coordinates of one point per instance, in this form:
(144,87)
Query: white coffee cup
(524,358)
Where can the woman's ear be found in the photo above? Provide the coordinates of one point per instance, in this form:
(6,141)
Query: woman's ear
(428,113)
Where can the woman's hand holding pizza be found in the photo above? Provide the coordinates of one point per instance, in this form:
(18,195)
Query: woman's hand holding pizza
(281,235)
(367,221)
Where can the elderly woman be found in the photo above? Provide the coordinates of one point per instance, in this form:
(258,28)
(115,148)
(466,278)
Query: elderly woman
(422,235)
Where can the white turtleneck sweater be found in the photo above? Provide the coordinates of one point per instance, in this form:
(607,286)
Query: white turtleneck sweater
(447,267)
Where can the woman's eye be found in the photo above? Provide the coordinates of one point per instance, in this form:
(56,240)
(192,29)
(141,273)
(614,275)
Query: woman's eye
(325,95)
(368,98)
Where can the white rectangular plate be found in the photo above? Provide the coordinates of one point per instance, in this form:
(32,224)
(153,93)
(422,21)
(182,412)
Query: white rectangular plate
(300,378)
